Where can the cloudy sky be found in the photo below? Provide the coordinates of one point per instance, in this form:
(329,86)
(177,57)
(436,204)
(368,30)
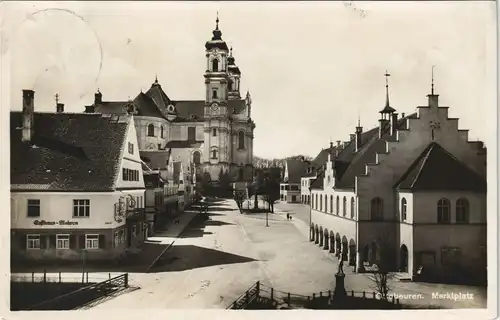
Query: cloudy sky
(312,68)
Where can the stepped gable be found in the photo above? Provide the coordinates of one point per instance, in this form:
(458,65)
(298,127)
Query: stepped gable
(350,163)
(69,152)
(438,169)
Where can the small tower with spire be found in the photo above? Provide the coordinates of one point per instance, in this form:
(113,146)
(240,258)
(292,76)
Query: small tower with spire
(98,97)
(358,134)
(234,78)
(388,111)
(59,106)
(433,97)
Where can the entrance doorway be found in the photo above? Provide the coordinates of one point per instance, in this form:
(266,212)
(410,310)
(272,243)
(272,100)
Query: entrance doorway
(403,254)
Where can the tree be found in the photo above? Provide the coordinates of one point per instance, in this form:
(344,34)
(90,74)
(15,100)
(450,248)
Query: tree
(271,188)
(258,185)
(224,182)
(381,276)
(205,182)
(239,197)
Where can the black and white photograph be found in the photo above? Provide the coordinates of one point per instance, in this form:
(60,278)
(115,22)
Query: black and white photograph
(310,156)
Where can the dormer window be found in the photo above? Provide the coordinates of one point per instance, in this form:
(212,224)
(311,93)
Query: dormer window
(193,116)
(171,108)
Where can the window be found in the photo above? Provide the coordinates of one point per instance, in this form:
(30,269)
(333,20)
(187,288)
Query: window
(162,132)
(33,208)
(117,239)
(122,236)
(352,208)
(130,175)
(134,229)
(337,205)
(320,202)
(344,206)
(81,208)
(403,209)
(462,213)
(33,241)
(241,140)
(331,204)
(196,157)
(191,133)
(214,153)
(151,130)
(215,65)
(377,209)
(316,201)
(91,241)
(130,148)
(214,93)
(450,257)
(312,201)
(62,241)
(294,198)
(214,132)
(443,211)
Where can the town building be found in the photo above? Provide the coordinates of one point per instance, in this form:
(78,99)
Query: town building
(215,133)
(290,185)
(413,188)
(77,190)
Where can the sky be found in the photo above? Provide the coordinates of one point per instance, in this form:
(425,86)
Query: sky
(312,68)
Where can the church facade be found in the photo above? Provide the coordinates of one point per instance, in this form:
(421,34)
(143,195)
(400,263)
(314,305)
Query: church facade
(213,135)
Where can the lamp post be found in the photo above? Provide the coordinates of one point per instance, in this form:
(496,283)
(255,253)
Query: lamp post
(310,214)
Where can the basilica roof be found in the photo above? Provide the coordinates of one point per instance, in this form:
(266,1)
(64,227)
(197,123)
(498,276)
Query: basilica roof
(438,169)
(69,152)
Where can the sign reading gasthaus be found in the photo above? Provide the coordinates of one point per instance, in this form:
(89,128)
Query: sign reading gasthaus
(55,223)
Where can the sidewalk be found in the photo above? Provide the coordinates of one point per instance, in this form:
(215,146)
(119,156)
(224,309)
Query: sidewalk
(173,230)
(63,277)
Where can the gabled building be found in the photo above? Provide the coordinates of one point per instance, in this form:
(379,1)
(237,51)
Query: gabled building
(77,189)
(213,133)
(290,185)
(317,167)
(413,187)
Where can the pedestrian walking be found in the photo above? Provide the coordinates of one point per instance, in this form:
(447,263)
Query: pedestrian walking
(288,216)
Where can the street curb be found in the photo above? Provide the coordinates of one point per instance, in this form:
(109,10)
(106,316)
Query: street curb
(171,244)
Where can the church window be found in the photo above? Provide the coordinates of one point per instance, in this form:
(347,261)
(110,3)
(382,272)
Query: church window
(377,209)
(214,132)
(462,211)
(191,133)
(443,211)
(403,209)
(151,130)
(214,153)
(196,157)
(331,204)
(241,140)
(162,132)
(215,65)
(214,94)
(320,202)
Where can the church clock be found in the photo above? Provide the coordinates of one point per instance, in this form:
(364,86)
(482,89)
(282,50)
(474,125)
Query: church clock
(214,107)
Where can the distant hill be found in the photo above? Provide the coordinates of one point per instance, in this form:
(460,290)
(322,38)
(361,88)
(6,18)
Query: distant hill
(259,162)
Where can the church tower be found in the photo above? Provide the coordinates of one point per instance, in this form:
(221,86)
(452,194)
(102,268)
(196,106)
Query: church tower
(234,76)
(217,127)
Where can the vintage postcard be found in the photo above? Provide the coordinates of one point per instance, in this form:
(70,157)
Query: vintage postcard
(190,159)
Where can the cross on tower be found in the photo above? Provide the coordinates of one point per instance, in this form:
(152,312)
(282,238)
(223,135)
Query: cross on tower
(434,126)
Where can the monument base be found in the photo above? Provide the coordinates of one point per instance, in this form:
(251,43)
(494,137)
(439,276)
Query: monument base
(339,286)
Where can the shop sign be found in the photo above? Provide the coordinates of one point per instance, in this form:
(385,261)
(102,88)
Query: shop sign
(54,223)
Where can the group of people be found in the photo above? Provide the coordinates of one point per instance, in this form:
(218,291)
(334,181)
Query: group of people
(288,216)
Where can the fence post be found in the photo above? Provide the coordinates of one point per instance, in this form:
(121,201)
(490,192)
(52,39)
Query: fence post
(397,301)
(109,275)
(329,293)
(32,277)
(373,295)
(87,277)
(44,276)
(272,294)
(247,297)
(308,298)
(364,296)
(321,294)
(352,293)
(393,299)
(258,288)
(314,296)
(59,276)
(289,301)
(126,279)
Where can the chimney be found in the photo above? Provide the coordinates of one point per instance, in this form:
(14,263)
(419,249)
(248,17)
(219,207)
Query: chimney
(352,137)
(339,144)
(89,109)
(60,108)
(345,144)
(97,97)
(359,131)
(394,123)
(28,115)
(382,126)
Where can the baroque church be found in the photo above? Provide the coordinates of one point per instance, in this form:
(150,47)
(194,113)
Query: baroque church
(212,135)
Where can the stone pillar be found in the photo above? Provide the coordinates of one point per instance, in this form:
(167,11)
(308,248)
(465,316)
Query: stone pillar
(359,263)
(350,257)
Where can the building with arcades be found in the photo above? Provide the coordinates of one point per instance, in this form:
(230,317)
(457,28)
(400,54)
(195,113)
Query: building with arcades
(414,189)
(212,134)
